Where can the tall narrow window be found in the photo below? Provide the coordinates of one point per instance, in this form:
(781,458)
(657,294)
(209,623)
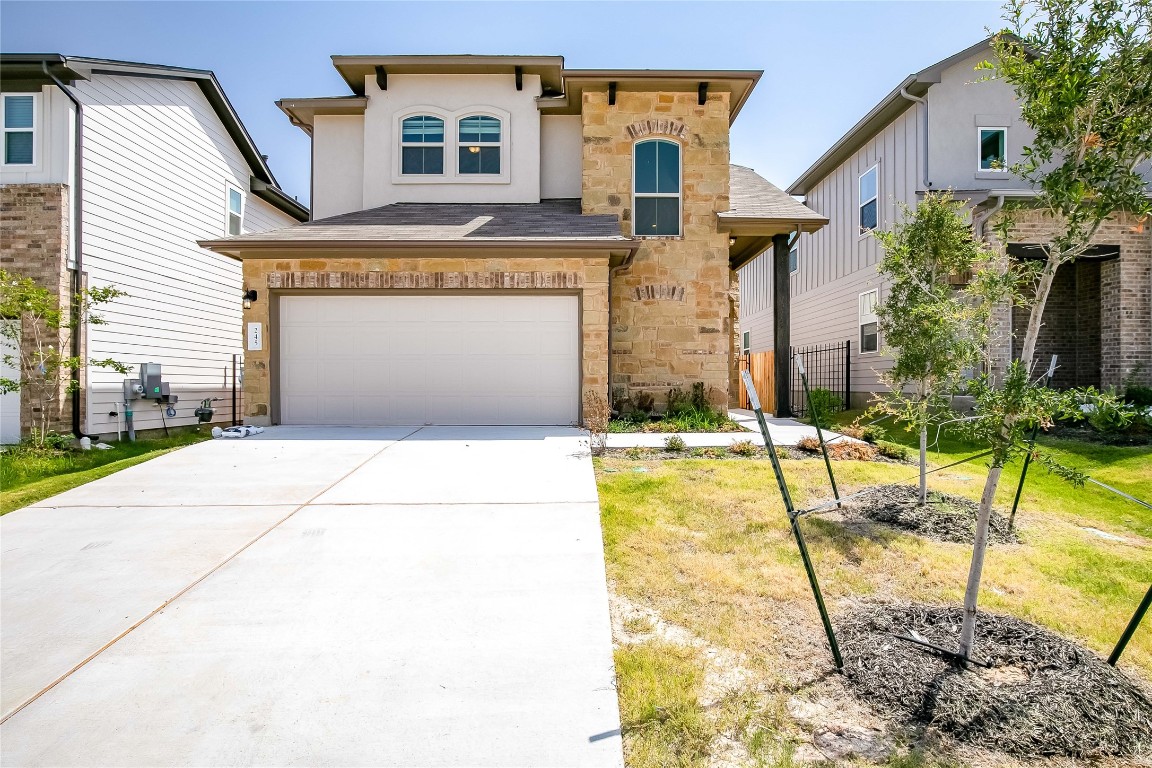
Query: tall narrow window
(994,149)
(422,145)
(794,259)
(747,346)
(656,188)
(868,324)
(479,140)
(869,193)
(19,130)
(235,210)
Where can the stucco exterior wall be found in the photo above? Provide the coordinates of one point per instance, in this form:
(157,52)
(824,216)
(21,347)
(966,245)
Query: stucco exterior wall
(561,139)
(382,272)
(451,97)
(337,165)
(672,309)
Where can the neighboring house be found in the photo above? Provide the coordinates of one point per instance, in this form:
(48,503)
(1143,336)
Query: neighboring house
(948,128)
(499,238)
(160,161)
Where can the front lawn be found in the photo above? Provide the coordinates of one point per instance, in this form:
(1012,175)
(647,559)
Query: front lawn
(701,551)
(28,476)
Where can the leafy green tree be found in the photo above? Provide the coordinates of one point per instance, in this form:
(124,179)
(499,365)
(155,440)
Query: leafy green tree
(937,330)
(31,321)
(1082,73)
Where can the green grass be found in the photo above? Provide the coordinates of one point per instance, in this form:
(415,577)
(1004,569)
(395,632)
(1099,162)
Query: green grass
(29,476)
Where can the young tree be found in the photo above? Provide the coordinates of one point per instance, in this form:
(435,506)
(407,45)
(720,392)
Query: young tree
(937,330)
(1082,72)
(31,321)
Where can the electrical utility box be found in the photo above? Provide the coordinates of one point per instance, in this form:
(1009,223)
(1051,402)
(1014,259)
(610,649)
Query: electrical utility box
(155,388)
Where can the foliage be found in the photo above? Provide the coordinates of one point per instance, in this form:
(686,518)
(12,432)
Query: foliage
(893,451)
(679,401)
(1105,411)
(644,402)
(744,448)
(31,321)
(699,397)
(1138,395)
(842,450)
(597,414)
(869,431)
(824,402)
(674,443)
(809,444)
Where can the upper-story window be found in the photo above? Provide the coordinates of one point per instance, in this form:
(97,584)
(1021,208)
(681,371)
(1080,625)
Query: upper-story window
(19,129)
(656,188)
(869,195)
(479,144)
(235,223)
(794,259)
(868,321)
(422,145)
(994,149)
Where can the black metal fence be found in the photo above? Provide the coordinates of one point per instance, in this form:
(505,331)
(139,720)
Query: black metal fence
(829,367)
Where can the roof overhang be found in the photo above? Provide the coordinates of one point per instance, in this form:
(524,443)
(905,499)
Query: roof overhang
(356,69)
(749,237)
(737,83)
(302,112)
(24,72)
(617,250)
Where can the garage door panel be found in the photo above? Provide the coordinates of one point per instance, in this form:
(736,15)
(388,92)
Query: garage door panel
(429,360)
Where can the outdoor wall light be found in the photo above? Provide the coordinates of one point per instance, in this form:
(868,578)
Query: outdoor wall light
(732,240)
(249,297)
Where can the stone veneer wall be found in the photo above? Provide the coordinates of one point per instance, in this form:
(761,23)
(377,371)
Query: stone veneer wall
(34,244)
(672,310)
(587,275)
(1125,290)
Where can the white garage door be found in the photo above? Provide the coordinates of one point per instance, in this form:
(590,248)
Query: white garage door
(429,359)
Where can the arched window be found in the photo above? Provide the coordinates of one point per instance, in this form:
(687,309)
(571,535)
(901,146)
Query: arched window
(422,145)
(656,188)
(479,140)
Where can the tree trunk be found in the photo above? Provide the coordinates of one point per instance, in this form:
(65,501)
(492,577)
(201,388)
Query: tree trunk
(923,464)
(1036,317)
(972,592)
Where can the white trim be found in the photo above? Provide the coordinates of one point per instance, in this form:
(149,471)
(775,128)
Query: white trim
(229,188)
(980,146)
(498,144)
(866,317)
(795,248)
(443,144)
(861,202)
(34,130)
(451,120)
(679,195)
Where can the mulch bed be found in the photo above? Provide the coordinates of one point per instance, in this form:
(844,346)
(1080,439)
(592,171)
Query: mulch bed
(944,518)
(1043,696)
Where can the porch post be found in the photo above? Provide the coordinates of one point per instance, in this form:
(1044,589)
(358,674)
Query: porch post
(781,323)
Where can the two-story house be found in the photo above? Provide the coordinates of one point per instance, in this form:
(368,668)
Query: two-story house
(111,172)
(498,238)
(947,127)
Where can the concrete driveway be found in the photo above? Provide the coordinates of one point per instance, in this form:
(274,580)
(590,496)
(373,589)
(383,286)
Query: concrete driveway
(315,596)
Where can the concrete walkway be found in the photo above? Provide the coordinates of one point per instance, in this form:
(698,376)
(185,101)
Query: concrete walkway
(784,432)
(315,596)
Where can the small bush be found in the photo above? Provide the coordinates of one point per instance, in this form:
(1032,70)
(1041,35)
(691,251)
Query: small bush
(744,448)
(699,398)
(824,403)
(712,453)
(844,450)
(893,451)
(678,402)
(783,453)
(1106,412)
(674,443)
(636,453)
(644,402)
(1138,395)
(597,415)
(809,444)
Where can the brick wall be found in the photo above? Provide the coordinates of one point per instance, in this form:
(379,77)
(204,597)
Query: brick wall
(35,244)
(672,310)
(1123,324)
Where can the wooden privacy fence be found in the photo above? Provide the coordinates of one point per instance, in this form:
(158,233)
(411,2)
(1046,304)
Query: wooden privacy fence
(760,365)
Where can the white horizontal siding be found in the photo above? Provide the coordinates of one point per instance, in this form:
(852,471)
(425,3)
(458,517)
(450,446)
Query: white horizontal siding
(157,162)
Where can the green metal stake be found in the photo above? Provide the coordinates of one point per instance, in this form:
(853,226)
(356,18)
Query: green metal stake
(793,518)
(819,432)
(1131,628)
(1031,449)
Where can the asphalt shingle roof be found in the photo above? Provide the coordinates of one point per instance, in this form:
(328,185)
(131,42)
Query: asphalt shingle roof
(754,197)
(547,220)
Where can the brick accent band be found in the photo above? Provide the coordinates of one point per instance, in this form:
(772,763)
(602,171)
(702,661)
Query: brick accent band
(425,280)
(658,292)
(663,127)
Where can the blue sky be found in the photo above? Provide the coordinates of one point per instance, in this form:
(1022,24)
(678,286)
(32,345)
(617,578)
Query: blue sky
(825,63)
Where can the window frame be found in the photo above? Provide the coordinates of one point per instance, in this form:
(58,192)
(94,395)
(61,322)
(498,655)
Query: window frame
(229,188)
(794,263)
(679,195)
(34,130)
(460,144)
(451,118)
(442,144)
(746,342)
(980,148)
(861,202)
(867,318)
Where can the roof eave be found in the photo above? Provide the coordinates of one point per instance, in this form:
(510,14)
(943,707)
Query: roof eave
(237,248)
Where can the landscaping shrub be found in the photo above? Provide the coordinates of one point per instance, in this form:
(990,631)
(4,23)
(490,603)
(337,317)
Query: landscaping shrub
(644,402)
(699,397)
(674,443)
(844,450)
(1138,395)
(824,402)
(678,402)
(809,444)
(597,415)
(1106,412)
(744,448)
(894,451)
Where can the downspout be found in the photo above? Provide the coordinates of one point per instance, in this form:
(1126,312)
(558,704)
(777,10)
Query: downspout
(78,243)
(923,102)
(623,266)
(979,223)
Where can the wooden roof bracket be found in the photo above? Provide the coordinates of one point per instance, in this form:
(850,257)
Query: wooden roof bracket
(381,78)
